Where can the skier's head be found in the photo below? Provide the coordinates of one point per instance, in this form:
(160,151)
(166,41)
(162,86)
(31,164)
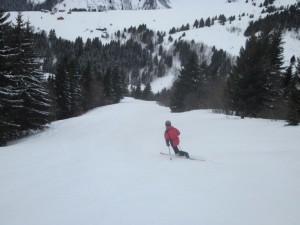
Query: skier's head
(168,123)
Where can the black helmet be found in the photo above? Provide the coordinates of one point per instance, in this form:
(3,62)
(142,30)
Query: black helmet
(168,123)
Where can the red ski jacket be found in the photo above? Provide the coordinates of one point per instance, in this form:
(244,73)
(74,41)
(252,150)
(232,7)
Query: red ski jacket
(172,134)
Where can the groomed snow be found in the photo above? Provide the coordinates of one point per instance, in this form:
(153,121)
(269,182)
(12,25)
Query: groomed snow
(105,167)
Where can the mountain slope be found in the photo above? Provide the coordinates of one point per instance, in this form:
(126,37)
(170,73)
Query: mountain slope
(105,168)
(102,5)
(228,37)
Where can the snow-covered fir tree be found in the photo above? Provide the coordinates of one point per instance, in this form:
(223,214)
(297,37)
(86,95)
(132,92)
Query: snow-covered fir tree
(35,102)
(7,94)
(86,87)
(75,88)
(118,84)
(293,114)
(62,91)
(25,103)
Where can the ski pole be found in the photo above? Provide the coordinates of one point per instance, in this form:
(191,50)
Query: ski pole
(170,153)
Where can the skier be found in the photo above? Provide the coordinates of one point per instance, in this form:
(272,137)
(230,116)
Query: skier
(171,137)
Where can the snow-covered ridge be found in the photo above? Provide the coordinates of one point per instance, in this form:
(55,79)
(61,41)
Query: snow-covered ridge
(102,5)
(36,2)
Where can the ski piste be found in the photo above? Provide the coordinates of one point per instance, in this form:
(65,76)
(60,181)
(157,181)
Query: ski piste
(183,157)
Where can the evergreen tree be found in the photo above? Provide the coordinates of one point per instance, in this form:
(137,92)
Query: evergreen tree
(62,91)
(245,83)
(8,95)
(35,111)
(222,19)
(201,23)
(196,24)
(75,88)
(293,114)
(172,31)
(138,91)
(97,93)
(86,88)
(28,101)
(78,47)
(253,82)
(147,92)
(187,87)
(118,84)
(107,84)
(288,76)
(207,22)
(273,68)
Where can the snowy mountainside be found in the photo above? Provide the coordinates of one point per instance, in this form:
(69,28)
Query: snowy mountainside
(36,1)
(221,36)
(102,5)
(229,37)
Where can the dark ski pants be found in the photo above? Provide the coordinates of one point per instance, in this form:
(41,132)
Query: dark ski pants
(181,153)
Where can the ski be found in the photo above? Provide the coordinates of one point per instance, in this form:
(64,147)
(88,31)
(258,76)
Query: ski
(177,156)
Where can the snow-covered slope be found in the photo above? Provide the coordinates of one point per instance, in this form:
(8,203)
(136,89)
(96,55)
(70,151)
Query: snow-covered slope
(102,5)
(105,167)
(36,1)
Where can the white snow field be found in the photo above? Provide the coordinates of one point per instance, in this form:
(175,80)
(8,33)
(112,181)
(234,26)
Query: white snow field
(105,167)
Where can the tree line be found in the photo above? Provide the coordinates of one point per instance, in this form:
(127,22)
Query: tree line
(287,18)
(257,85)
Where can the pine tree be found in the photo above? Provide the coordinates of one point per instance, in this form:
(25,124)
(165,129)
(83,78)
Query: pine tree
(36,103)
(244,85)
(272,64)
(196,24)
(207,22)
(28,103)
(187,87)
(75,88)
(107,84)
(137,93)
(293,114)
(78,47)
(253,82)
(62,91)
(201,23)
(147,92)
(8,96)
(86,88)
(118,84)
